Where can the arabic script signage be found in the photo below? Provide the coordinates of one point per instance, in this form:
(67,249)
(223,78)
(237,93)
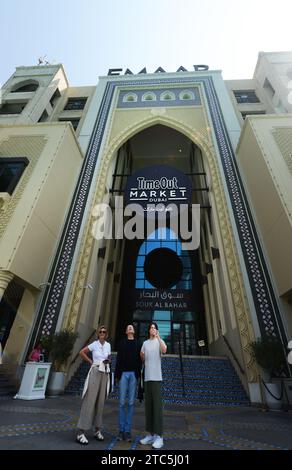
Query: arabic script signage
(158,299)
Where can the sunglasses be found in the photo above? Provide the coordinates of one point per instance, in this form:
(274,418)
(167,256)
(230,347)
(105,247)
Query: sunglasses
(102,331)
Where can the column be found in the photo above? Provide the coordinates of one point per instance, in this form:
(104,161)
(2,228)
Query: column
(5,278)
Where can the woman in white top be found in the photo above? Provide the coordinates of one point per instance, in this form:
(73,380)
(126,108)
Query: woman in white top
(95,388)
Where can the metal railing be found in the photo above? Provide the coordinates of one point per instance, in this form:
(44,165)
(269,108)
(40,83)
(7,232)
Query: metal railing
(233,355)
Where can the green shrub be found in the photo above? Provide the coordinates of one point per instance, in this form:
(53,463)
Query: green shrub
(269,354)
(59,347)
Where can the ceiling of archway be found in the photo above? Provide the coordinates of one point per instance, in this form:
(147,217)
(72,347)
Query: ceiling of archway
(160,145)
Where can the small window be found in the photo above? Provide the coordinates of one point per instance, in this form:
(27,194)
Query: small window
(130,97)
(269,88)
(186,95)
(149,97)
(11,170)
(25,87)
(167,96)
(246,96)
(75,104)
(73,121)
(13,108)
(43,117)
(55,97)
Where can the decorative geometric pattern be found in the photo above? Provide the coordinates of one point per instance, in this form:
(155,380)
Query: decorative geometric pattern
(264,298)
(207,381)
(185,429)
(153,97)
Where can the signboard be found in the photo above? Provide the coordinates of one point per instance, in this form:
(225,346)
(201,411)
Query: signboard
(162,299)
(40,378)
(158,185)
(197,68)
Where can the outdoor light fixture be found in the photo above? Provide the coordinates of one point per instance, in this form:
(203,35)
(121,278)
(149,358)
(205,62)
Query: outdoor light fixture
(44,284)
(88,286)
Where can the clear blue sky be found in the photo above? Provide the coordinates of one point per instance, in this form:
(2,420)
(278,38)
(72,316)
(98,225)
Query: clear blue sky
(91,36)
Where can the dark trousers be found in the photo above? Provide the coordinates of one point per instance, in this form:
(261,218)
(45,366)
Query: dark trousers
(153,407)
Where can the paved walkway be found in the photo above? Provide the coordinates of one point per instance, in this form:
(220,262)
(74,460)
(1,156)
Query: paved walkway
(50,425)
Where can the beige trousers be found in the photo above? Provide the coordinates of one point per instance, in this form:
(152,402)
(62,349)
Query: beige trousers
(93,401)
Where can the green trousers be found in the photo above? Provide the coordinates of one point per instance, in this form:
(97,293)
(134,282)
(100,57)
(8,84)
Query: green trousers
(153,407)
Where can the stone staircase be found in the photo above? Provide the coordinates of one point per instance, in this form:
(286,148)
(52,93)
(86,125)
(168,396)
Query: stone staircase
(210,381)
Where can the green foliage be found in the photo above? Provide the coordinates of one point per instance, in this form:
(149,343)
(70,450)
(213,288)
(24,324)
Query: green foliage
(46,344)
(269,354)
(59,346)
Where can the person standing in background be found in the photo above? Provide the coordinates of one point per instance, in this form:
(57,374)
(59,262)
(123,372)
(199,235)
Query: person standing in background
(127,372)
(151,355)
(35,354)
(96,386)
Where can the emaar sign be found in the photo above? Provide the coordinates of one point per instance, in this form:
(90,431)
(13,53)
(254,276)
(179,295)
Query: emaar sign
(197,68)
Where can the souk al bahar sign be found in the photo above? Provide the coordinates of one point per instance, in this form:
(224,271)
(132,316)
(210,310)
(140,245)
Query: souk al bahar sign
(158,299)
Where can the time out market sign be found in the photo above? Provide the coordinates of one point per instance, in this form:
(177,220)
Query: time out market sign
(158,184)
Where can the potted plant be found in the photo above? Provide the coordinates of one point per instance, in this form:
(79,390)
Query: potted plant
(269,354)
(59,346)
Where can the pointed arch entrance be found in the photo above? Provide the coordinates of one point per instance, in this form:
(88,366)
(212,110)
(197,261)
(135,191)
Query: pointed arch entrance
(184,329)
(226,311)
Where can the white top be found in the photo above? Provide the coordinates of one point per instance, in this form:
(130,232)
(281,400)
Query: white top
(100,352)
(151,349)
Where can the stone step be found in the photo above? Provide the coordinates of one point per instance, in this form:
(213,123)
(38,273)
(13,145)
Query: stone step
(211,381)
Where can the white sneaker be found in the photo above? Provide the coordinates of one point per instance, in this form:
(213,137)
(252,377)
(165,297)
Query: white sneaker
(158,443)
(149,439)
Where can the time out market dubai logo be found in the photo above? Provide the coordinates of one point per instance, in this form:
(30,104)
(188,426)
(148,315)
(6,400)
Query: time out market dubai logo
(154,197)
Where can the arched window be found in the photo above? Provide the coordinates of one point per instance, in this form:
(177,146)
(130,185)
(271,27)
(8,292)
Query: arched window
(130,97)
(163,238)
(167,96)
(26,86)
(186,95)
(149,96)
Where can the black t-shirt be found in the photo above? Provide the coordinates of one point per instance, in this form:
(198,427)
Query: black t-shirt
(130,363)
(128,357)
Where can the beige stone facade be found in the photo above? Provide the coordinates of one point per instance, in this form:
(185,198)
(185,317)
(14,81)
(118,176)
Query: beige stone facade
(65,278)
(264,155)
(32,217)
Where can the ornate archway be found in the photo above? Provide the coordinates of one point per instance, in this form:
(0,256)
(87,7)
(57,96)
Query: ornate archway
(203,140)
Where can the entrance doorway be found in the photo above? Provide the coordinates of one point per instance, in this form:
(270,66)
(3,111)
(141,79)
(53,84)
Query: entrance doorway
(179,337)
(159,263)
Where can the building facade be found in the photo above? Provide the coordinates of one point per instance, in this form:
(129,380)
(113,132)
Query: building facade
(67,152)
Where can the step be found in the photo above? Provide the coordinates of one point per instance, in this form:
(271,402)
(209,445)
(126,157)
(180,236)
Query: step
(207,381)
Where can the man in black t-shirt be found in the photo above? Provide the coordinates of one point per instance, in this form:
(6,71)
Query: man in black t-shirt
(127,372)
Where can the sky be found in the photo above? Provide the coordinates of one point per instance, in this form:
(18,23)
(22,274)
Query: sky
(91,36)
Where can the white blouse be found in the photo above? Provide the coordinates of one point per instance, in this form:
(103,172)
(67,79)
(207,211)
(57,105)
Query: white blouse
(100,352)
